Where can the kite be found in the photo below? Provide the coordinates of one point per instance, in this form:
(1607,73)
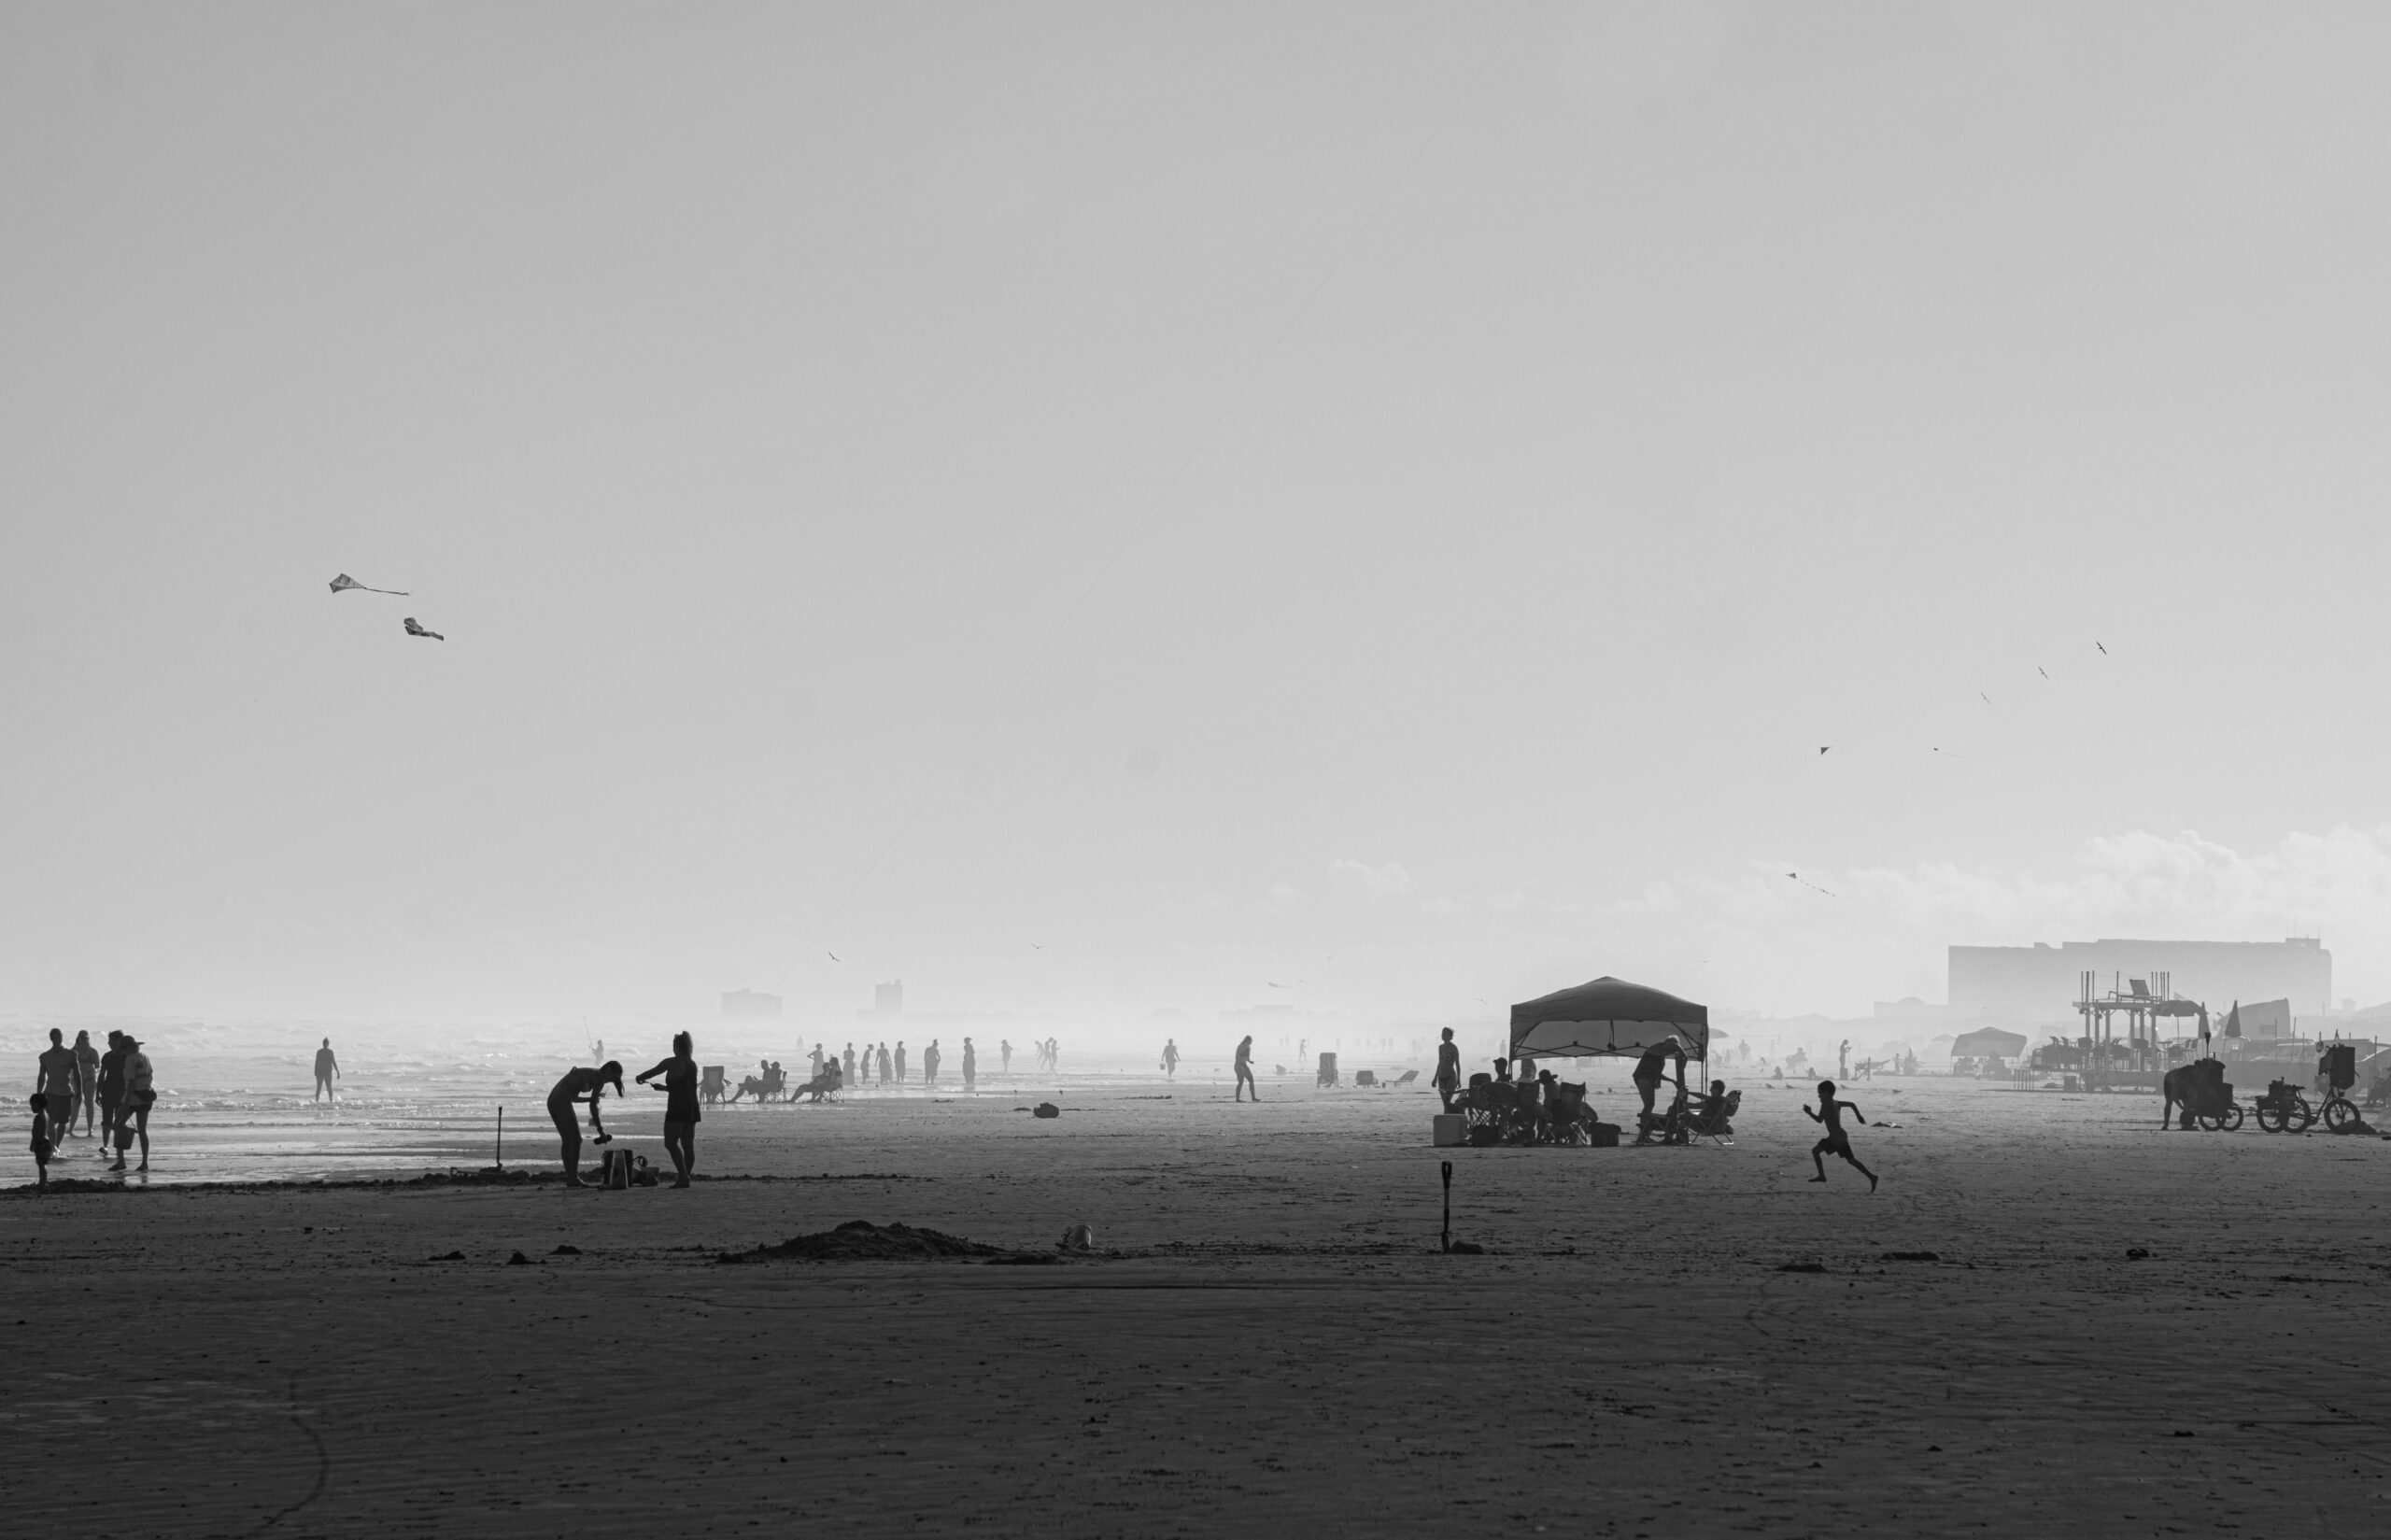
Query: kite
(345,580)
(414,629)
(1823,747)
(1811,885)
(2040,670)
(832,955)
(2104,652)
(1987,699)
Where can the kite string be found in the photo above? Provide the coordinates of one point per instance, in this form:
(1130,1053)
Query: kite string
(1145,517)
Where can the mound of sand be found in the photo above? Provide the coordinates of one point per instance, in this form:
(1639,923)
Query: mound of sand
(860,1241)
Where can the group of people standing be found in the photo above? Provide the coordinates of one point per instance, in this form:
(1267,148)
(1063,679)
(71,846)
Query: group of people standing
(582,1085)
(117,1085)
(850,1069)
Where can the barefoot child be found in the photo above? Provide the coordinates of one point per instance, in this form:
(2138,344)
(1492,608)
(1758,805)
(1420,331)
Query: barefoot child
(41,1145)
(1837,1142)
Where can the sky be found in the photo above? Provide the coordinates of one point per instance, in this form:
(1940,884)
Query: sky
(1089,509)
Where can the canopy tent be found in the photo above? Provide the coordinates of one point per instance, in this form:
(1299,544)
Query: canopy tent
(1606,1016)
(1987,1042)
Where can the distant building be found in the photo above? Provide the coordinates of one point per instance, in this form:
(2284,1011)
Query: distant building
(746,1004)
(2040,982)
(889,999)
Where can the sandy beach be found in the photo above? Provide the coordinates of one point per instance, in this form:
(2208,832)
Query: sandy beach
(1267,1338)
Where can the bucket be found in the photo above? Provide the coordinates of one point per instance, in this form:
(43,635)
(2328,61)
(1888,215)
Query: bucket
(618,1169)
(1450,1129)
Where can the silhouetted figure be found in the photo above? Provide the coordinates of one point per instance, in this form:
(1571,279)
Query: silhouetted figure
(1842,1059)
(87,1064)
(1502,1071)
(681,1111)
(58,1080)
(884,1064)
(111,1089)
(1837,1142)
(848,1069)
(970,1066)
(1447,1081)
(900,1061)
(1055,1056)
(1004,1047)
(327,1071)
(1170,1058)
(1245,1069)
(1651,1072)
(817,1062)
(140,1095)
(42,1144)
(930,1064)
(580,1084)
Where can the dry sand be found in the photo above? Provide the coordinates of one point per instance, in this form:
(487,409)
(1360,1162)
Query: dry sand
(1267,1343)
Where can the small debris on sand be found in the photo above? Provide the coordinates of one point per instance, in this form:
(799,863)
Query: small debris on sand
(1911,1256)
(1046,1110)
(1464,1249)
(1079,1237)
(518,1259)
(2135,1254)
(860,1241)
(566,1251)
(1801,1267)
(449,1256)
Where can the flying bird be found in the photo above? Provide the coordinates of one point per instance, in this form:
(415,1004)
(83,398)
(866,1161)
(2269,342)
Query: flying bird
(828,952)
(1986,699)
(2104,652)
(414,629)
(345,580)
(2040,670)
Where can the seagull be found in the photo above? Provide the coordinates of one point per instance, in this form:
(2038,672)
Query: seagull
(414,629)
(345,580)
(828,952)
(1035,947)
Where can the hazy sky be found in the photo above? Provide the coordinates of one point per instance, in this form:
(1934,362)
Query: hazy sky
(1384,500)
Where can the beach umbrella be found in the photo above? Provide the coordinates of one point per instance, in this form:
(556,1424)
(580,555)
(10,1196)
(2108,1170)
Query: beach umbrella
(345,580)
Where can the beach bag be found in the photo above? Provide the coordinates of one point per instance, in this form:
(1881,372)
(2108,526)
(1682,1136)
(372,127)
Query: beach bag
(1606,1136)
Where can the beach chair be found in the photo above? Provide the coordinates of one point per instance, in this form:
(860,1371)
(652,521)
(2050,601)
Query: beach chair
(1712,1117)
(710,1088)
(1405,1078)
(1567,1117)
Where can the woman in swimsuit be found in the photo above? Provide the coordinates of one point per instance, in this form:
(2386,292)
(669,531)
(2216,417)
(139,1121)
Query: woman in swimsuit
(580,1085)
(680,1074)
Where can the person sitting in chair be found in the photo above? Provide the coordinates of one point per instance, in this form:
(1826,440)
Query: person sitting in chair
(1713,1110)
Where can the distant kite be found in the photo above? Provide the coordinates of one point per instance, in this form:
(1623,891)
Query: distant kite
(414,629)
(345,580)
(1823,747)
(1811,885)
(828,952)
(2040,670)
(2104,652)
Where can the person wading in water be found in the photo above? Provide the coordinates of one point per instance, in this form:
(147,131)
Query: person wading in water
(680,1074)
(581,1084)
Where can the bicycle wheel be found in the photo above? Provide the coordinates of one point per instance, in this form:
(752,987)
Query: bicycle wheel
(2233,1118)
(2211,1121)
(2271,1117)
(2302,1114)
(2339,1114)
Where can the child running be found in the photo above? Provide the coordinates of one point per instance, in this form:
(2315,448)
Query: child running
(1837,1142)
(43,1143)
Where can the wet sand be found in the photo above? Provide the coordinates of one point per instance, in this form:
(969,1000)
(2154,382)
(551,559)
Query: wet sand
(1267,1340)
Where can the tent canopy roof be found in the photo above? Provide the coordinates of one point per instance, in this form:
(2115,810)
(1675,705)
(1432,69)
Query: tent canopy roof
(1988,1042)
(1606,1016)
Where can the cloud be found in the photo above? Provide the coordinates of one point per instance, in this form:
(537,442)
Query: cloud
(1371,882)
(1281,901)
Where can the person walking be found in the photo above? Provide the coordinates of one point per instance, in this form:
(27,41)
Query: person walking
(140,1095)
(57,1077)
(327,1071)
(579,1084)
(884,1064)
(1245,1069)
(1170,1058)
(681,1113)
(87,1064)
(111,1089)
(971,1068)
(849,1075)
(900,1061)
(1447,1081)
(930,1064)
(1004,1047)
